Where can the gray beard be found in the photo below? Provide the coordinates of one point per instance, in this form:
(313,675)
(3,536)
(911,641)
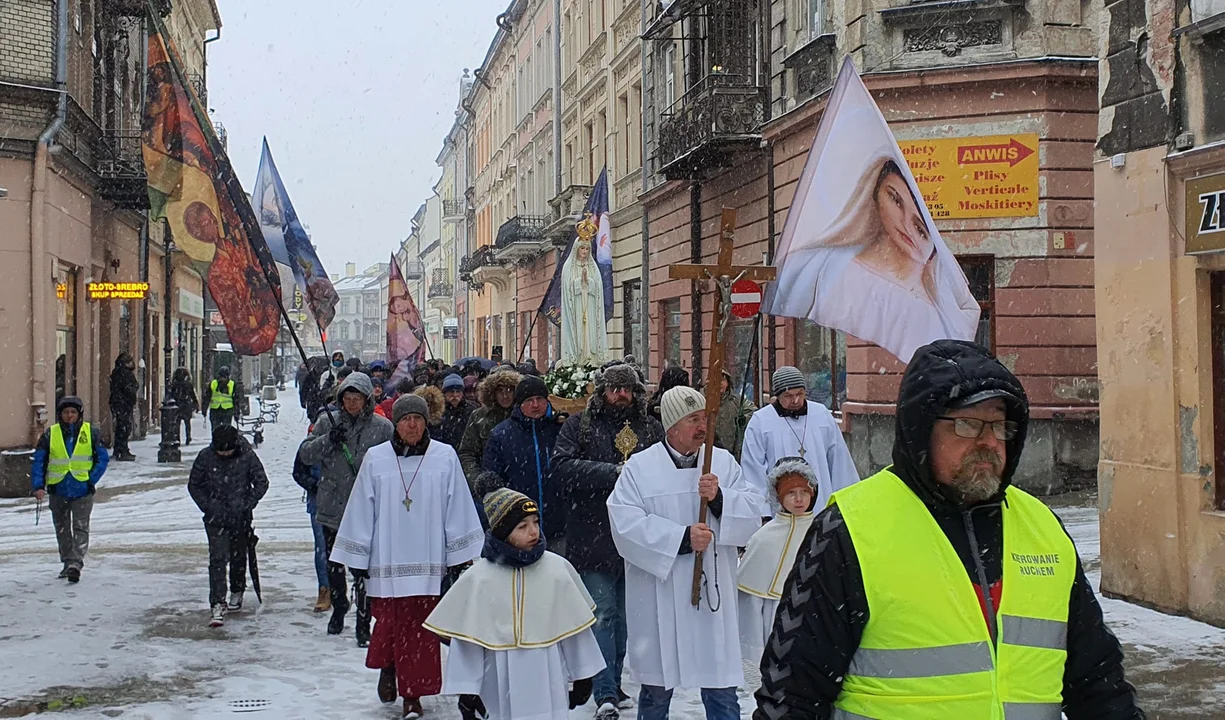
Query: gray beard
(976,484)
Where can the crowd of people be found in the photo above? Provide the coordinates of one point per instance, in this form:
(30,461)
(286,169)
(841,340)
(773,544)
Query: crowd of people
(556,554)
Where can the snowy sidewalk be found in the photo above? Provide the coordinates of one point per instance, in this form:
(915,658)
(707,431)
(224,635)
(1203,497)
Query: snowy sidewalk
(131,640)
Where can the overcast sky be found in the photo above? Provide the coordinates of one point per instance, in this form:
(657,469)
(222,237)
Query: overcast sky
(355,98)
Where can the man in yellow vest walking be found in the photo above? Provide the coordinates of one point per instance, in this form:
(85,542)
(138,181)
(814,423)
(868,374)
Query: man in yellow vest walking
(68,462)
(219,396)
(934,589)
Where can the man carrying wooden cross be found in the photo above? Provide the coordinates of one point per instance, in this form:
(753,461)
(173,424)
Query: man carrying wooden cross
(658,514)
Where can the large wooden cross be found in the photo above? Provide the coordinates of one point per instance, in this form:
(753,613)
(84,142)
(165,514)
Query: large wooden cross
(723,274)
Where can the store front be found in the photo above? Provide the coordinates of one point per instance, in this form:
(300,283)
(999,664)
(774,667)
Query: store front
(1161,334)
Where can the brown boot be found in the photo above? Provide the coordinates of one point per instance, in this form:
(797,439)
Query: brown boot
(412,708)
(324,603)
(388,687)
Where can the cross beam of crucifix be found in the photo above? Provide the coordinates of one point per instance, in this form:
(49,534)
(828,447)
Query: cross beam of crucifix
(723,274)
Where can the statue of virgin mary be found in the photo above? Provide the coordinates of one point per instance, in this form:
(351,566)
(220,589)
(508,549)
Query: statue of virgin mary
(583,339)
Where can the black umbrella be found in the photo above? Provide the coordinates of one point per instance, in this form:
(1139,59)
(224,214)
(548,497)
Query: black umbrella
(252,564)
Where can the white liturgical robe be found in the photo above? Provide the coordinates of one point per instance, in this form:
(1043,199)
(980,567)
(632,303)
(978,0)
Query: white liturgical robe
(814,437)
(671,643)
(407,551)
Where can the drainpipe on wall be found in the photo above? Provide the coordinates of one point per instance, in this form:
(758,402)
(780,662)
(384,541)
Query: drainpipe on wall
(556,97)
(38,229)
(644,292)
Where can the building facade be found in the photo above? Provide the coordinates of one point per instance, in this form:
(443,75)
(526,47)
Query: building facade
(1159,175)
(968,72)
(359,327)
(71,96)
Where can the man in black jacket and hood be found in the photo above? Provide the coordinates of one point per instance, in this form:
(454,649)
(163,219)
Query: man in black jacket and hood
(123,404)
(861,629)
(587,461)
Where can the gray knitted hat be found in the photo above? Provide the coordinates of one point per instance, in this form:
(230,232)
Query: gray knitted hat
(678,403)
(786,378)
(409,404)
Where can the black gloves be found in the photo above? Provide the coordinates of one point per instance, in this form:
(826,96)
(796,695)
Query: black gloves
(338,434)
(360,574)
(581,693)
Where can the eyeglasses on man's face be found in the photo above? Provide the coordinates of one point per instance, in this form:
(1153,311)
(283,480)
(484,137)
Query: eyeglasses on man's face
(972,428)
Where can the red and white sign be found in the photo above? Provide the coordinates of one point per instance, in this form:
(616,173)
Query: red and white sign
(746,298)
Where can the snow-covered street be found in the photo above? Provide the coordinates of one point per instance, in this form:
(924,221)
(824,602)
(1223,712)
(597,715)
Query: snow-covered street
(131,639)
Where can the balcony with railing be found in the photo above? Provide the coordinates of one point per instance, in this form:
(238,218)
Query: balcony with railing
(568,209)
(453,210)
(441,295)
(522,238)
(121,170)
(483,266)
(414,270)
(720,115)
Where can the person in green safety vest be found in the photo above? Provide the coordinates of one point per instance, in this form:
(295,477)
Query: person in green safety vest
(69,460)
(220,399)
(935,588)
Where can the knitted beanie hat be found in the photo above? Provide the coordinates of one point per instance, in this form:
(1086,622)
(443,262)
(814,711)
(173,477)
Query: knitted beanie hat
(409,404)
(679,402)
(452,382)
(506,508)
(786,378)
(530,387)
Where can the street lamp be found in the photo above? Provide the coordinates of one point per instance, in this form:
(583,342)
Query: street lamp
(168,449)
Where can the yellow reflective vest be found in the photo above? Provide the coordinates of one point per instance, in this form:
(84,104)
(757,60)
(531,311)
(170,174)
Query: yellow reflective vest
(60,463)
(218,398)
(926,653)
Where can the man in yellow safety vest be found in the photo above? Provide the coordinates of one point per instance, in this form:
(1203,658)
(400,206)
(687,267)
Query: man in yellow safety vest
(68,462)
(219,396)
(934,589)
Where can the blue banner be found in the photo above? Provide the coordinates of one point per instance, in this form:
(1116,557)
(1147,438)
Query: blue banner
(597,206)
(289,243)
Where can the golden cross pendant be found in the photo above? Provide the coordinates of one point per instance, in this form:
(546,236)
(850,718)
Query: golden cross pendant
(408,503)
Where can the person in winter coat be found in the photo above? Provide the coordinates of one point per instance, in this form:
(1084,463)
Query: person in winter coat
(220,395)
(436,403)
(733,417)
(519,456)
(497,395)
(69,460)
(455,416)
(183,390)
(123,404)
(307,477)
(771,552)
(935,587)
(587,464)
(378,397)
(227,481)
(671,377)
(339,450)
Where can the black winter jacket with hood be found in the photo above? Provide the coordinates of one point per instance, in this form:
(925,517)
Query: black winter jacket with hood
(803,667)
(227,489)
(587,465)
(124,387)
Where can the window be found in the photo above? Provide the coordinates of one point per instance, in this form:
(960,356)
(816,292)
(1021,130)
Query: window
(742,353)
(820,353)
(631,313)
(980,273)
(497,330)
(1218,382)
(512,337)
(670,76)
(66,333)
(670,313)
(816,17)
(344,306)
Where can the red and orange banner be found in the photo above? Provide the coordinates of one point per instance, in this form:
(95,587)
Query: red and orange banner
(193,187)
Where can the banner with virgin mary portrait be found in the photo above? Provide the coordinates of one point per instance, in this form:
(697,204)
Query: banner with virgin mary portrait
(192,186)
(859,251)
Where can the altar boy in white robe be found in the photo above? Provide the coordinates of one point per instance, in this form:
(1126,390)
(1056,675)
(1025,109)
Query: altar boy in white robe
(771,552)
(653,511)
(794,426)
(519,621)
(409,517)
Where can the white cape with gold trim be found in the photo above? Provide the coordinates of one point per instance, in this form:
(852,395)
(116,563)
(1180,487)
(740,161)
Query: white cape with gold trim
(500,608)
(518,637)
(763,571)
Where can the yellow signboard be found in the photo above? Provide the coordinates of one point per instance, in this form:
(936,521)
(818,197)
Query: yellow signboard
(1206,214)
(976,177)
(117,291)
